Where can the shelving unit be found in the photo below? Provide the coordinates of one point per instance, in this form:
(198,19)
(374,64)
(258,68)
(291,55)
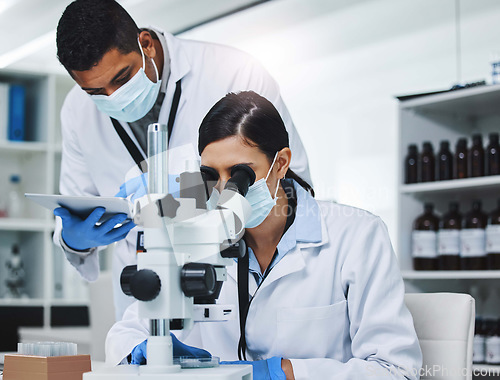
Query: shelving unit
(37,161)
(448,116)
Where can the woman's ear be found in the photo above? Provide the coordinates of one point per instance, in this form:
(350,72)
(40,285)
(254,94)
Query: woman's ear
(283,162)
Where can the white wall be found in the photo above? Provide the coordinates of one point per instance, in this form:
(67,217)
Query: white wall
(341,62)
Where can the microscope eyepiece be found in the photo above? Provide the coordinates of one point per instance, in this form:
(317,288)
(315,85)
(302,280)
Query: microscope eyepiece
(242,177)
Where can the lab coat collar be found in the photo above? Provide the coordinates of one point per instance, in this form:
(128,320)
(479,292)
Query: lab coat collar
(179,63)
(308,230)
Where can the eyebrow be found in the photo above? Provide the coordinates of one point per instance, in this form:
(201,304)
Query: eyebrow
(118,75)
(240,163)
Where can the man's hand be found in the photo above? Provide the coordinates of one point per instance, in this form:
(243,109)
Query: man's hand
(82,234)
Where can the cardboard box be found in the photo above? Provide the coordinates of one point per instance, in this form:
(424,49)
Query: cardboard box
(25,367)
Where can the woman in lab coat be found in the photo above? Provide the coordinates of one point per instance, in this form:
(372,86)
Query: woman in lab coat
(327,297)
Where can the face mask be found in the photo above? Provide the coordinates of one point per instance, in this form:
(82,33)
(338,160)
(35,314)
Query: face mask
(212,201)
(134,99)
(260,199)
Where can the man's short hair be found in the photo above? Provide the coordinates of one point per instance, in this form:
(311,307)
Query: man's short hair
(88,29)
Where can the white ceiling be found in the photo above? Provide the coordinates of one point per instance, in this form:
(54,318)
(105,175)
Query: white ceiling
(27,41)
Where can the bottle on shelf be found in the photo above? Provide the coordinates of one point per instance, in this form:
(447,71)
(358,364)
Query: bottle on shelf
(473,239)
(492,158)
(492,342)
(427,163)
(15,204)
(479,349)
(444,167)
(411,164)
(493,239)
(460,168)
(424,248)
(449,238)
(3,207)
(476,157)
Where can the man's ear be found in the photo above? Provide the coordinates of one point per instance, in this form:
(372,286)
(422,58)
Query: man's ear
(146,41)
(283,161)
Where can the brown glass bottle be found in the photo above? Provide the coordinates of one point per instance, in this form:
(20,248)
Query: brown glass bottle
(427,163)
(460,168)
(424,247)
(473,239)
(478,352)
(493,155)
(444,167)
(449,239)
(493,239)
(476,157)
(411,164)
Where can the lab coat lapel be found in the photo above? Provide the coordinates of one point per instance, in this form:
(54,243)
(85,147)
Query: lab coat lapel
(292,262)
(295,260)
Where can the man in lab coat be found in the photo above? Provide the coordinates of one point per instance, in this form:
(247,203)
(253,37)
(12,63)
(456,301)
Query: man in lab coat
(126,79)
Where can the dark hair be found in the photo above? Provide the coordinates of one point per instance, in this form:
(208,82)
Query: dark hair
(254,119)
(90,28)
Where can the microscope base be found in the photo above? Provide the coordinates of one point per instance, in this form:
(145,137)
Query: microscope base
(131,372)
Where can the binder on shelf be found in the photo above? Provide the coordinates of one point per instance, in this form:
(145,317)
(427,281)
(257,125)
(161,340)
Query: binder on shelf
(4,110)
(17,105)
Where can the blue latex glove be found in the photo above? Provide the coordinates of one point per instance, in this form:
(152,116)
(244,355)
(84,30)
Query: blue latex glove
(269,369)
(181,350)
(82,234)
(138,187)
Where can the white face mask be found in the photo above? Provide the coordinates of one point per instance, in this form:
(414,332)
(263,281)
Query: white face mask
(134,99)
(260,199)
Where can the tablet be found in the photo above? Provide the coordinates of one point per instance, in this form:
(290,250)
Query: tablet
(83,205)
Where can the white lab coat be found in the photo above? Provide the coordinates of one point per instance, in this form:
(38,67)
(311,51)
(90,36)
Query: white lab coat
(95,161)
(334,307)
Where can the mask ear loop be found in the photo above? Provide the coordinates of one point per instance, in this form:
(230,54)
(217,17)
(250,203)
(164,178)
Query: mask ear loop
(277,188)
(144,61)
(269,172)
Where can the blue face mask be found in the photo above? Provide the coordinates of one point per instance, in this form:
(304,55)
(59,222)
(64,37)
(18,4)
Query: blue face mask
(260,199)
(212,201)
(134,99)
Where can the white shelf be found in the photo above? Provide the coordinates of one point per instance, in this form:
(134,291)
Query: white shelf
(474,101)
(23,147)
(35,225)
(22,302)
(68,302)
(450,275)
(454,185)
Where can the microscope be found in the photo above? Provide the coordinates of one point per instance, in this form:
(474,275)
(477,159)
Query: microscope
(15,275)
(179,274)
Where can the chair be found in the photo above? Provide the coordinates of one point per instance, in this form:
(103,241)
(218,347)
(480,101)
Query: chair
(444,323)
(102,313)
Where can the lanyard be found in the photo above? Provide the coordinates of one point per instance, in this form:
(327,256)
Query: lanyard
(129,144)
(244,300)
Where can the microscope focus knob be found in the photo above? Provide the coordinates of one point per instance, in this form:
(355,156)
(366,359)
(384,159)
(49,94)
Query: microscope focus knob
(198,280)
(127,273)
(144,285)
